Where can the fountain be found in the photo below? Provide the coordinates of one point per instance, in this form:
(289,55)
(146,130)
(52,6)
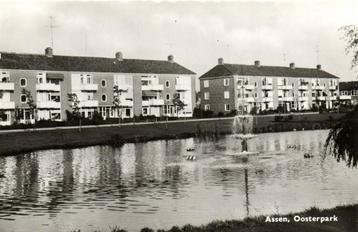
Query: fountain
(242,130)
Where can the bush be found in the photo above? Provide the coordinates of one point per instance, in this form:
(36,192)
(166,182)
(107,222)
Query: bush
(220,114)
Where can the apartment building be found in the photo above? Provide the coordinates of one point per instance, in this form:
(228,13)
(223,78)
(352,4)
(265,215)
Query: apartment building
(249,88)
(143,87)
(348,92)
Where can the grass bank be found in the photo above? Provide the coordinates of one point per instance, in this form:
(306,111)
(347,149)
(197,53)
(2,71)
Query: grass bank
(20,141)
(347,222)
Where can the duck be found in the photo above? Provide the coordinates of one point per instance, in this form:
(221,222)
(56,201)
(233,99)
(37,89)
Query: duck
(307,155)
(191,157)
(190,149)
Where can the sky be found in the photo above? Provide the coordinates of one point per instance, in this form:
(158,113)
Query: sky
(196,33)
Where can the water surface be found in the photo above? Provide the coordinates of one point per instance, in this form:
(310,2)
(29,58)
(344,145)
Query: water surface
(151,184)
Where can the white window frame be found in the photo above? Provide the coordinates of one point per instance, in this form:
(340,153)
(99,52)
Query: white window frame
(227,107)
(226,81)
(166,84)
(102,97)
(206,95)
(105,83)
(21,98)
(226,94)
(206,83)
(25,82)
(166,97)
(207,107)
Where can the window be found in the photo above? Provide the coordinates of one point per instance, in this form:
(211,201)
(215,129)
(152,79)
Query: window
(206,96)
(206,83)
(23,82)
(226,82)
(145,111)
(226,94)
(167,84)
(167,96)
(227,107)
(207,107)
(255,95)
(23,98)
(104,97)
(255,84)
(103,83)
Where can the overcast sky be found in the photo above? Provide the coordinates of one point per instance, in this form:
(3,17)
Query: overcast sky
(196,33)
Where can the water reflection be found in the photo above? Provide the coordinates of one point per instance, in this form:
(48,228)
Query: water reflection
(151,184)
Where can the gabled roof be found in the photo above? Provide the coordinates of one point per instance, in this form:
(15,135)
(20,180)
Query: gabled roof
(89,64)
(252,70)
(348,85)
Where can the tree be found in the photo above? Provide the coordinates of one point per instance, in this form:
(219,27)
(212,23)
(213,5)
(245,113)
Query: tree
(117,92)
(178,104)
(351,37)
(30,102)
(75,105)
(342,140)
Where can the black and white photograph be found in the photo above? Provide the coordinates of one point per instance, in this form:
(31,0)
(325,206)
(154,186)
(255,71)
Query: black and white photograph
(179,116)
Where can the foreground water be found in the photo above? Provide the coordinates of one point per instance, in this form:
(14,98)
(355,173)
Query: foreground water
(151,184)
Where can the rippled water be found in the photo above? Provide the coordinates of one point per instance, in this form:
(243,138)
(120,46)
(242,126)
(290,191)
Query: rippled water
(151,184)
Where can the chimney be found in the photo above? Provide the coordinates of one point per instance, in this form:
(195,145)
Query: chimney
(49,52)
(171,58)
(220,61)
(257,63)
(319,67)
(292,65)
(119,56)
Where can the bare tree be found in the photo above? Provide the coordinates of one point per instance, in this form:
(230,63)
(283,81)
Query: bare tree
(75,105)
(117,93)
(342,138)
(178,104)
(30,102)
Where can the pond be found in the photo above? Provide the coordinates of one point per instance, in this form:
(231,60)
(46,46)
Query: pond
(152,184)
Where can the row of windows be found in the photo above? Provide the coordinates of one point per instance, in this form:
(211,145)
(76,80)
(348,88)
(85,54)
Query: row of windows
(226,106)
(207,95)
(268,81)
(226,82)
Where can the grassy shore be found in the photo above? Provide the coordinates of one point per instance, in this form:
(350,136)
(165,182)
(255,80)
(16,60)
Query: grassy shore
(347,222)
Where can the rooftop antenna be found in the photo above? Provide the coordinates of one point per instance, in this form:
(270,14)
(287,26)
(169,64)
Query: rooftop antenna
(317,53)
(52,26)
(170,46)
(284,57)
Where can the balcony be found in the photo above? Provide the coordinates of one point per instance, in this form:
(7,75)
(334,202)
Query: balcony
(153,102)
(321,98)
(332,87)
(267,99)
(332,98)
(318,87)
(48,105)
(248,87)
(287,99)
(302,87)
(266,87)
(7,86)
(48,87)
(88,104)
(182,87)
(89,87)
(152,87)
(7,105)
(126,103)
(345,97)
(249,99)
(303,98)
(284,87)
